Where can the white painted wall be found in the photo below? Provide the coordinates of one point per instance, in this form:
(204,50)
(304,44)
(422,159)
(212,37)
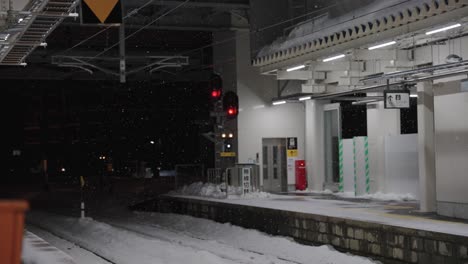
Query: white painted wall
(380,123)
(451,143)
(258,119)
(348,166)
(401,165)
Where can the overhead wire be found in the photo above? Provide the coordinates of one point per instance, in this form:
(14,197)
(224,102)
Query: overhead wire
(132,13)
(217,42)
(207,46)
(140,29)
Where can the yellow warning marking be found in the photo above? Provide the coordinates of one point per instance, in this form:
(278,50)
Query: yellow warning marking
(227,154)
(292,153)
(101,8)
(397,207)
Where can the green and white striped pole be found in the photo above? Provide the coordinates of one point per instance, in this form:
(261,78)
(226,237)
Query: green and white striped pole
(340,152)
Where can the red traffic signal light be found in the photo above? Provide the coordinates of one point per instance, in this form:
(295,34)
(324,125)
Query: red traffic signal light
(231,104)
(216,94)
(232,111)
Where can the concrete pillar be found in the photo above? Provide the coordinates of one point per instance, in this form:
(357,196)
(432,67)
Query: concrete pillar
(315,146)
(427,175)
(381,122)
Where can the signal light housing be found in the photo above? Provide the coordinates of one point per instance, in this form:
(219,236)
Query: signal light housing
(216,87)
(231,104)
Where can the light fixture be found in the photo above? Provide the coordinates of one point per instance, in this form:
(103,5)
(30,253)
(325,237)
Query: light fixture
(365,102)
(231,135)
(414,95)
(4,37)
(442,29)
(382,45)
(223,135)
(305,98)
(258,107)
(296,68)
(334,58)
(63,169)
(279,102)
(152,142)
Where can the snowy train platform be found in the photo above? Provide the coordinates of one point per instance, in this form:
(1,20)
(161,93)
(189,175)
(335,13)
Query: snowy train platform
(389,231)
(38,251)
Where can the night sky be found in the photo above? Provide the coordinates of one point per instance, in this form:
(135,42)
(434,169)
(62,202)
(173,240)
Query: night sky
(73,125)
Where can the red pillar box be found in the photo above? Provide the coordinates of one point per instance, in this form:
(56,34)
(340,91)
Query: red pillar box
(301,176)
(11,230)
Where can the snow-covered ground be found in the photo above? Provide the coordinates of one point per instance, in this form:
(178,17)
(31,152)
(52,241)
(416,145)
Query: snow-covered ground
(217,191)
(78,254)
(379,196)
(36,251)
(124,237)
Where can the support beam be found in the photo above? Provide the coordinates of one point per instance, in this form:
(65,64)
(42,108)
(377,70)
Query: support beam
(315,148)
(427,176)
(218,4)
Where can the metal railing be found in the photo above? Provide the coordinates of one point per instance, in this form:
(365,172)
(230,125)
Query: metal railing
(187,174)
(215,176)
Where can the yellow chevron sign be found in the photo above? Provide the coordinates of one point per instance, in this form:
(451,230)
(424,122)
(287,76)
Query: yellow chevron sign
(101,11)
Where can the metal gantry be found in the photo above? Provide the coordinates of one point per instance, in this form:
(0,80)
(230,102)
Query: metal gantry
(150,63)
(30,28)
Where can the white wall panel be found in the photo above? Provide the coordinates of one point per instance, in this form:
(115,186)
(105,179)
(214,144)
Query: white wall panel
(401,165)
(258,118)
(348,165)
(451,125)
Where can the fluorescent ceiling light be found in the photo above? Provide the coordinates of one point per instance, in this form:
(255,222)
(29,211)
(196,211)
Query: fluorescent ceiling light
(334,58)
(258,107)
(305,98)
(382,45)
(413,95)
(279,102)
(4,37)
(365,102)
(296,68)
(442,29)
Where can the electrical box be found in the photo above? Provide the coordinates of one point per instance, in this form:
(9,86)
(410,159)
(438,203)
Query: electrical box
(301,175)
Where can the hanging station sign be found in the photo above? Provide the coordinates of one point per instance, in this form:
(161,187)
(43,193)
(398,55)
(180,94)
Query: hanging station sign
(397,99)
